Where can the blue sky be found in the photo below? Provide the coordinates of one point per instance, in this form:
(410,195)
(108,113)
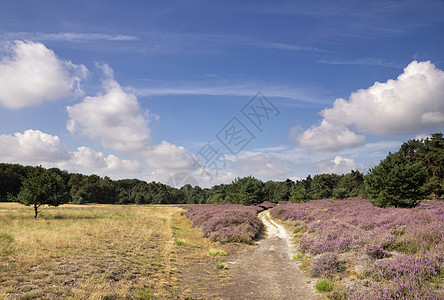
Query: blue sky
(140,89)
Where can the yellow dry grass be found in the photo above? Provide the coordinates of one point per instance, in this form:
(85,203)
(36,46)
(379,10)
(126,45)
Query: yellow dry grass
(95,251)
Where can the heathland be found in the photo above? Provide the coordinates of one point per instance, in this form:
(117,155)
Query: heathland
(373,236)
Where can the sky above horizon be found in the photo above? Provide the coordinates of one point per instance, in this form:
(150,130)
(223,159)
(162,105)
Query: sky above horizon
(203,92)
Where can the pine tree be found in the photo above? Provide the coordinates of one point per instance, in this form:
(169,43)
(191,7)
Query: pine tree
(396,182)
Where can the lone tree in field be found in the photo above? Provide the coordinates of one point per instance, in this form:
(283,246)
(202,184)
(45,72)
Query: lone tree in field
(396,182)
(42,187)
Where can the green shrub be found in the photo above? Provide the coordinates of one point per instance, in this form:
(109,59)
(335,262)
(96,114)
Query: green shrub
(324,285)
(340,193)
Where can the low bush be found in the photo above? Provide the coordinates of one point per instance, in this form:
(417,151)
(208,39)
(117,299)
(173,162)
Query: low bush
(326,265)
(225,222)
(376,251)
(324,285)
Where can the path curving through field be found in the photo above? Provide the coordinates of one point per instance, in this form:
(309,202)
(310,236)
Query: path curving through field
(267,272)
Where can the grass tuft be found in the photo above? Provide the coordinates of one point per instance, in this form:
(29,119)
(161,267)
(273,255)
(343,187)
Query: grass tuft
(181,242)
(4,237)
(220,266)
(215,252)
(147,295)
(324,285)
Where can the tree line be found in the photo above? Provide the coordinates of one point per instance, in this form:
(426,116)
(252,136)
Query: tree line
(83,189)
(402,179)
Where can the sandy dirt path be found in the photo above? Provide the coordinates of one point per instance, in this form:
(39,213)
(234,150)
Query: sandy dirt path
(267,272)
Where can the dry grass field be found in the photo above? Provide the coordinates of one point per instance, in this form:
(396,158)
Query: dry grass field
(97,252)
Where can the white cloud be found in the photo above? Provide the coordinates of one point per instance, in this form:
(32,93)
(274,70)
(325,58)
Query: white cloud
(422,136)
(295,178)
(409,104)
(169,156)
(228,87)
(68,36)
(88,158)
(261,165)
(37,148)
(339,165)
(30,73)
(290,47)
(362,61)
(328,136)
(30,147)
(93,161)
(114,163)
(434,117)
(202,177)
(114,117)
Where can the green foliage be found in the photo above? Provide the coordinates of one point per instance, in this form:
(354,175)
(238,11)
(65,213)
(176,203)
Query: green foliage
(220,266)
(269,191)
(42,187)
(396,182)
(324,285)
(352,183)
(322,185)
(246,191)
(300,191)
(340,193)
(146,295)
(11,176)
(181,242)
(428,152)
(283,190)
(215,252)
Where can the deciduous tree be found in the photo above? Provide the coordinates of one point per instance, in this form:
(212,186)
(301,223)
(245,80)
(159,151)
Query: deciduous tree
(42,187)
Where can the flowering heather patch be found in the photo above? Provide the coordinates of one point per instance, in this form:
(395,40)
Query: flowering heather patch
(225,222)
(376,251)
(398,288)
(326,264)
(405,246)
(415,267)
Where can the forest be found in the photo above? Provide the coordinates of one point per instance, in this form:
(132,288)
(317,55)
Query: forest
(402,179)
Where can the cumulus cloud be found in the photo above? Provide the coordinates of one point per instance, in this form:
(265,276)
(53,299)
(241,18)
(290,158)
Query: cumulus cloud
(115,118)
(201,177)
(339,165)
(170,156)
(329,136)
(30,73)
(260,165)
(30,147)
(412,103)
(86,158)
(37,148)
